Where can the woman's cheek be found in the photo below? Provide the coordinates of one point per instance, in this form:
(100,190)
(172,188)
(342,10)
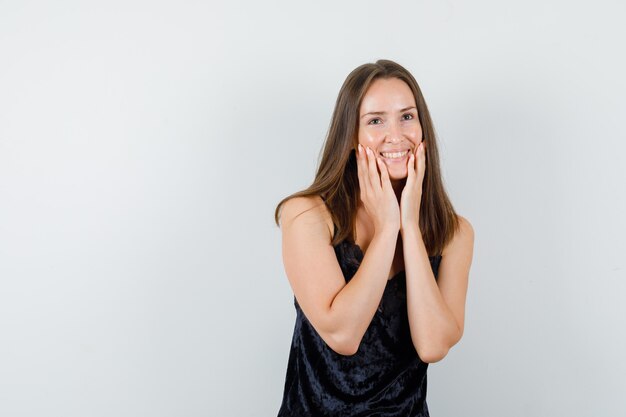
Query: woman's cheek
(369,136)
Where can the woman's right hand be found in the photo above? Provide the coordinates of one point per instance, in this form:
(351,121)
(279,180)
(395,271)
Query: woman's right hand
(377,195)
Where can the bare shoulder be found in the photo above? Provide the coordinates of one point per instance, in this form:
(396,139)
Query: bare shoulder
(311,211)
(463,240)
(465,227)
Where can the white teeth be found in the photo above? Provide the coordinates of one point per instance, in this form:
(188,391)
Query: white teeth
(394,155)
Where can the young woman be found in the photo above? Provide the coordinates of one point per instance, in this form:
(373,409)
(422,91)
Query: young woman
(376,256)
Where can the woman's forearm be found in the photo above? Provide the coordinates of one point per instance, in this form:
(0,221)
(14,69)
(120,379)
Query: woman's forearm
(433,327)
(354,306)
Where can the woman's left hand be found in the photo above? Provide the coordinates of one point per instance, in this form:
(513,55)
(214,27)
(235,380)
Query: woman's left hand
(411,198)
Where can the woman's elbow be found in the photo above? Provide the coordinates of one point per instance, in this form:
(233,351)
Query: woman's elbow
(346,350)
(343,345)
(433,355)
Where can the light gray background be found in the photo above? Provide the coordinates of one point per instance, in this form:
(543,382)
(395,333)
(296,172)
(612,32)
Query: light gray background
(144,146)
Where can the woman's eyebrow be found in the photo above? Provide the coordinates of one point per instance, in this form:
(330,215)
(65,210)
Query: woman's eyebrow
(384,112)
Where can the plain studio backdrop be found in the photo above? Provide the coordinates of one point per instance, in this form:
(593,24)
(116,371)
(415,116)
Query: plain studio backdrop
(144,146)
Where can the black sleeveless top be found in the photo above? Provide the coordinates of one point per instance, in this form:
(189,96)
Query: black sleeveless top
(384,378)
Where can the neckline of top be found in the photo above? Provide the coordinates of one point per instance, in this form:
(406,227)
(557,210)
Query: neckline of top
(360,259)
(355,245)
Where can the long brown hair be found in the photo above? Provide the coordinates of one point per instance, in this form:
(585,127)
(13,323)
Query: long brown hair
(336,180)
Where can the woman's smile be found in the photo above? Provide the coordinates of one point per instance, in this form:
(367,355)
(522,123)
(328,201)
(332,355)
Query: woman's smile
(395,157)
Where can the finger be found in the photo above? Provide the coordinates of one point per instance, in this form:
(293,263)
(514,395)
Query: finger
(421,157)
(373,172)
(421,165)
(362,170)
(410,167)
(384,174)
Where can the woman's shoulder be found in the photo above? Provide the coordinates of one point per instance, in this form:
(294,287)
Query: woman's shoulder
(463,235)
(464,224)
(309,209)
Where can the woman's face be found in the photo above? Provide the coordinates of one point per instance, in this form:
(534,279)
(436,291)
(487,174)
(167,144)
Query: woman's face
(388,124)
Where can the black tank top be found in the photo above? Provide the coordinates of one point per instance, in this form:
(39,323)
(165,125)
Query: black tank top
(384,378)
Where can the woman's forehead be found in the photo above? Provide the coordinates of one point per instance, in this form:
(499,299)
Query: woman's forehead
(387,95)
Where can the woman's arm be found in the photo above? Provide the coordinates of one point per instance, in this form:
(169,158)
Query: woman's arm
(436,309)
(339,312)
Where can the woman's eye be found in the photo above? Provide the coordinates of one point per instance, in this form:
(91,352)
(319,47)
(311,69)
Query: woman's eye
(373,121)
(409,114)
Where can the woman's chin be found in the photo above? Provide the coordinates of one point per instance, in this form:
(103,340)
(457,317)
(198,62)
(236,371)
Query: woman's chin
(397,173)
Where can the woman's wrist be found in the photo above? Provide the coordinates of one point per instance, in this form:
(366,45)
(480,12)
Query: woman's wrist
(410,227)
(387,232)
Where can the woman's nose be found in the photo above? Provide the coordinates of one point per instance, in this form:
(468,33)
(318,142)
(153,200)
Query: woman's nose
(393,131)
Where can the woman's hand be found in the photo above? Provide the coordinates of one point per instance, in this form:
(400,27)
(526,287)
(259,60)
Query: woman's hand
(411,198)
(377,194)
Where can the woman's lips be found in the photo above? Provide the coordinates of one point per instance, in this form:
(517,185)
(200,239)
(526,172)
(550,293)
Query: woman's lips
(396,160)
